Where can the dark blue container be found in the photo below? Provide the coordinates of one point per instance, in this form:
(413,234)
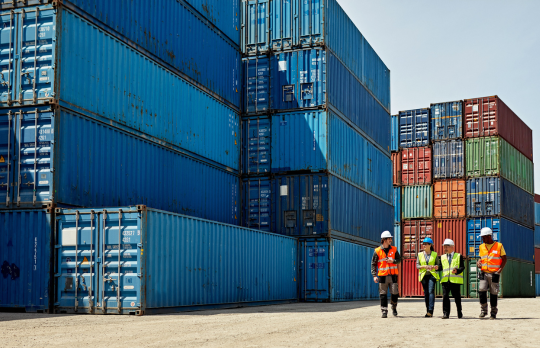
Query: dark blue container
(516,239)
(333,270)
(447,121)
(394,145)
(414,128)
(537,214)
(256,145)
(256,85)
(448,159)
(498,197)
(257,203)
(397,205)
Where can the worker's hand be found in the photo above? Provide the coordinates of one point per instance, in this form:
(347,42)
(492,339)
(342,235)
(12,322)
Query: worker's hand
(436,267)
(454,271)
(390,260)
(499,271)
(479,263)
(376,280)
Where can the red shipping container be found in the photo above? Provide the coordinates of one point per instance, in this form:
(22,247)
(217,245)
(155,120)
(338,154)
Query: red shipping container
(454,229)
(490,116)
(410,286)
(396,168)
(416,166)
(449,201)
(412,234)
(537,260)
(537,198)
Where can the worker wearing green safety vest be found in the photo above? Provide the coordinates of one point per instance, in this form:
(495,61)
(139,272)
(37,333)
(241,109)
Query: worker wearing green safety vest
(451,278)
(428,265)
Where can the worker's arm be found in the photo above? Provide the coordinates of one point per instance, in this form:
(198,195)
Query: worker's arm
(374,263)
(397,259)
(461,267)
(503,263)
(438,263)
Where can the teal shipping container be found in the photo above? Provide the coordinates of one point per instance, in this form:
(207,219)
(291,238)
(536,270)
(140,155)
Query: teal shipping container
(137,260)
(397,237)
(417,202)
(397,205)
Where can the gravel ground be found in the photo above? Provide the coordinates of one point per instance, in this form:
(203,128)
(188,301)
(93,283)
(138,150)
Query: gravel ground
(351,324)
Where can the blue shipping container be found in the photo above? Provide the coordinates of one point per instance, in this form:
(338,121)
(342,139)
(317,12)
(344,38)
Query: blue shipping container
(225,15)
(394,144)
(537,276)
(516,239)
(79,76)
(313,78)
(256,143)
(414,128)
(167,262)
(332,270)
(25,249)
(257,203)
(537,237)
(490,196)
(447,121)
(282,25)
(448,159)
(78,161)
(537,213)
(397,204)
(397,237)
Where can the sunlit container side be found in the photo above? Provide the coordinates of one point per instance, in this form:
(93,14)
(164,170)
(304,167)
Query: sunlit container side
(416,164)
(464,287)
(324,205)
(256,85)
(25,249)
(517,279)
(282,25)
(447,121)
(410,286)
(104,86)
(490,116)
(537,213)
(332,270)
(394,133)
(516,239)
(322,141)
(414,129)
(257,203)
(137,260)
(499,197)
(78,161)
(397,237)
(537,276)
(396,169)
(491,156)
(450,199)
(454,229)
(448,159)
(224,15)
(413,234)
(417,202)
(537,237)
(256,143)
(397,205)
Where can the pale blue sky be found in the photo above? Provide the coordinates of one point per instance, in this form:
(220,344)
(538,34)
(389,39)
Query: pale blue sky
(455,49)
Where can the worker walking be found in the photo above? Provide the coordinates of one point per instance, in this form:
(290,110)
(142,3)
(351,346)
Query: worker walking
(385,272)
(492,261)
(451,278)
(428,265)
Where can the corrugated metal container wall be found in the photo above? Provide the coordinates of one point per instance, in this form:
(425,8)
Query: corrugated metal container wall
(454,229)
(537,198)
(334,270)
(410,286)
(413,234)
(464,287)
(111,92)
(397,237)
(449,199)
(447,121)
(491,116)
(416,166)
(516,239)
(537,237)
(182,255)
(257,203)
(499,197)
(494,156)
(414,128)
(397,204)
(417,202)
(225,15)
(448,159)
(256,143)
(537,260)
(25,246)
(537,285)
(537,213)
(394,134)
(256,85)
(517,279)
(396,168)
(321,204)
(82,162)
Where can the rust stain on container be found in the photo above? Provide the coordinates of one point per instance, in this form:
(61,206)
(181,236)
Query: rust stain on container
(412,234)
(396,168)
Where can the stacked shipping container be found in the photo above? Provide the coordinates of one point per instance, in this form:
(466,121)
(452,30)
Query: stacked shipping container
(537,242)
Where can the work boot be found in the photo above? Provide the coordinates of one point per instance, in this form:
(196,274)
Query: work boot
(394,309)
(429,315)
(482,314)
(445,316)
(460,315)
(493,317)
(384,315)
(484,310)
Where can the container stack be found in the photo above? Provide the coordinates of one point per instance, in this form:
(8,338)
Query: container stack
(537,242)
(396,180)
(316,141)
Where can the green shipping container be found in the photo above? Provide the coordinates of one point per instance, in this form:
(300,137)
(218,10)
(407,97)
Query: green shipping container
(417,202)
(464,287)
(517,279)
(492,156)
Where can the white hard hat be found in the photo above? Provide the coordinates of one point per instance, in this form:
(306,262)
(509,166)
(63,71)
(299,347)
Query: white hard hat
(448,242)
(386,234)
(486,231)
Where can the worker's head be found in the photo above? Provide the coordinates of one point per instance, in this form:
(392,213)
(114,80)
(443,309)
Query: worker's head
(487,235)
(386,239)
(428,245)
(448,246)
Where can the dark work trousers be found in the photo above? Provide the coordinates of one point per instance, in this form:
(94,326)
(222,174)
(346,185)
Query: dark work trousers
(388,284)
(456,294)
(428,283)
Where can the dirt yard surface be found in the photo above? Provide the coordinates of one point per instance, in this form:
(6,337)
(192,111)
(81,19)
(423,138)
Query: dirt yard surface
(352,324)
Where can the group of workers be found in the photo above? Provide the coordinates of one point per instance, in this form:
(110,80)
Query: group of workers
(446,269)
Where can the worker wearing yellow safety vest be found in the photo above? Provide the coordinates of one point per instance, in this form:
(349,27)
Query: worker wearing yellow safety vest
(453,266)
(492,261)
(428,265)
(385,272)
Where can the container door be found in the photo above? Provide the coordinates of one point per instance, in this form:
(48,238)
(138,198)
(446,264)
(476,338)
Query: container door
(7,152)
(455,158)
(257,85)
(283,24)
(120,269)
(310,14)
(314,270)
(77,247)
(9,57)
(256,31)
(257,143)
(258,196)
(34,137)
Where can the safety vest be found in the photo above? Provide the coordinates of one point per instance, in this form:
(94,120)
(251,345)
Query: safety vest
(447,274)
(386,268)
(491,259)
(423,271)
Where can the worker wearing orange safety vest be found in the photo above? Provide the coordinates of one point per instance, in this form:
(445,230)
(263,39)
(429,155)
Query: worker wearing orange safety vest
(491,263)
(385,272)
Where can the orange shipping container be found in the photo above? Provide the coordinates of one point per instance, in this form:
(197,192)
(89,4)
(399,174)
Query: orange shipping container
(416,166)
(412,234)
(449,201)
(454,229)
(396,168)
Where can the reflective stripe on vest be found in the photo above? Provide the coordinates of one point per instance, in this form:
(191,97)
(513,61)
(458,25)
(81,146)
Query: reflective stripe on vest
(386,268)
(491,260)
(447,270)
(423,271)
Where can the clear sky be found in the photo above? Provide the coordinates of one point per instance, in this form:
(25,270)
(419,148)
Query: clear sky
(456,49)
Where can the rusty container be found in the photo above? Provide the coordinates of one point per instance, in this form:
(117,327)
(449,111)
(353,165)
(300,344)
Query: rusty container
(449,199)
(410,286)
(416,165)
(412,234)
(396,168)
(454,229)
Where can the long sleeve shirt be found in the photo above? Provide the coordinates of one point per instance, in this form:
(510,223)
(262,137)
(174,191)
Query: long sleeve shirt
(375,260)
(437,261)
